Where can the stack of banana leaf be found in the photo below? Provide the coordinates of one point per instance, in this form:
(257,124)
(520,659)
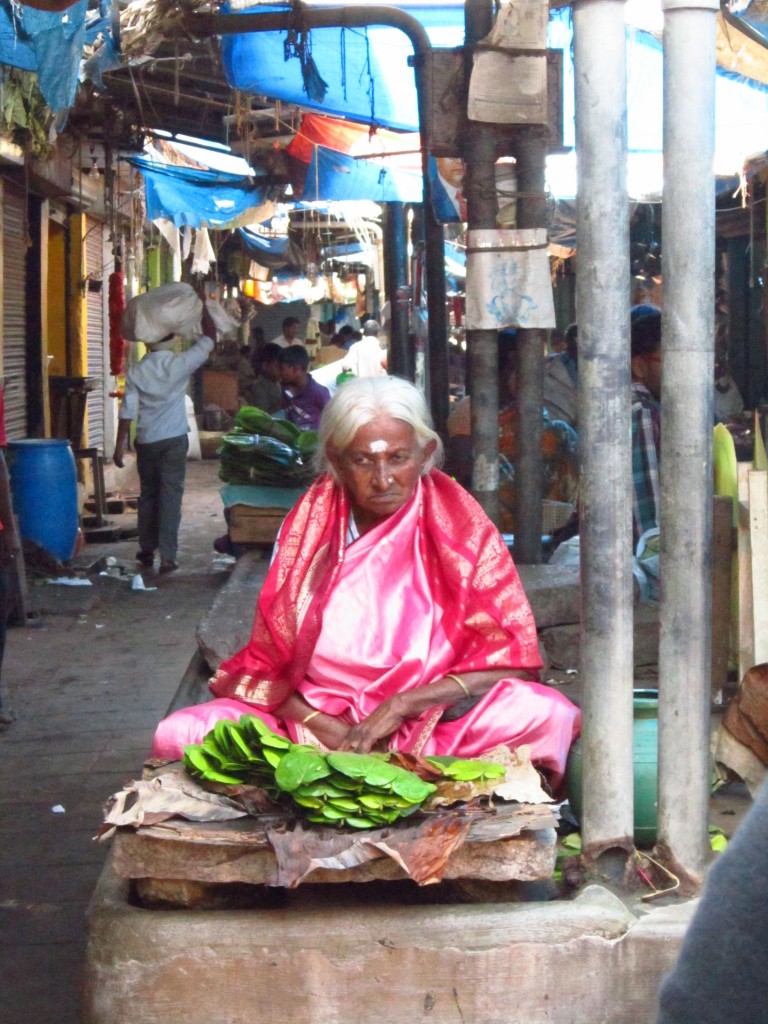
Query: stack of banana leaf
(333,788)
(267,452)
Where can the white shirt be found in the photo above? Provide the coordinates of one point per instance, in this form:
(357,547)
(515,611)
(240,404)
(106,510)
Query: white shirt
(283,342)
(155,390)
(364,357)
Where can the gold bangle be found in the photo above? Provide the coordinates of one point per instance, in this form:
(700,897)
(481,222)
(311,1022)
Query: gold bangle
(461,683)
(309,717)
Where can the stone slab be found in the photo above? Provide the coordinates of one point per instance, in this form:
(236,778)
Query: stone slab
(227,626)
(561,644)
(332,955)
(553,591)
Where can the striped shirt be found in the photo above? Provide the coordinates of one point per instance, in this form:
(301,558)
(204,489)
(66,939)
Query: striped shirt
(646,433)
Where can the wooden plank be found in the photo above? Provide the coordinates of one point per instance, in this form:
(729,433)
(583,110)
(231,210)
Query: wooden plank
(758,538)
(722,558)
(516,842)
(251,525)
(746,639)
(220,388)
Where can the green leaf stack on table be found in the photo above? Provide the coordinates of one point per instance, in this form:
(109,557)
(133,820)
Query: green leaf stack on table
(266,451)
(333,788)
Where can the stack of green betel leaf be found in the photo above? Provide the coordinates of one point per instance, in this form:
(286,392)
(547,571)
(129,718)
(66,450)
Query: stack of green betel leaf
(333,788)
(266,451)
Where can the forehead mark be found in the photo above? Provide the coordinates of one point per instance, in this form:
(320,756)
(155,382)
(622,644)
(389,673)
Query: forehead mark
(377,446)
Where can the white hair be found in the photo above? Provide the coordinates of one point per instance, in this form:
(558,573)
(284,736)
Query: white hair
(361,401)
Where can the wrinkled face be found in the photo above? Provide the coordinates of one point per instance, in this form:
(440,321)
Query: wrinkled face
(381,468)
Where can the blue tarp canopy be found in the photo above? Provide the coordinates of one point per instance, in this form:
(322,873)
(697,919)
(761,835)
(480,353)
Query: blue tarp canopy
(366,70)
(754,20)
(275,252)
(369,80)
(199,198)
(338,176)
(50,43)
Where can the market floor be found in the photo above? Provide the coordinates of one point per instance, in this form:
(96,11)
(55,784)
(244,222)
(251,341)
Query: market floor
(88,683)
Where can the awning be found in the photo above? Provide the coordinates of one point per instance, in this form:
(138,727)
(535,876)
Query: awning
(199,198)
(47,42)
(366,72)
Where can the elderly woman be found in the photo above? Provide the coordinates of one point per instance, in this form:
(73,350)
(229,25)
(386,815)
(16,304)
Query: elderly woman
(392,615)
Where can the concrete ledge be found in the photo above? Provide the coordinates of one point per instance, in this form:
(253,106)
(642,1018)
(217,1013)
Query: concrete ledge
(331,957)
(553,592)
(227,626)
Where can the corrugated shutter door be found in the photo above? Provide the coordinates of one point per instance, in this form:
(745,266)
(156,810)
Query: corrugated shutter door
(14,312)
(94,256)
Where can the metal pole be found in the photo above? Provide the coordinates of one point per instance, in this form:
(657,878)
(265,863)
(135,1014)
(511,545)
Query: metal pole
(602,304)
(437,352)
(401,355)
(482,345)
(307,16)
(688,329)
(530,154)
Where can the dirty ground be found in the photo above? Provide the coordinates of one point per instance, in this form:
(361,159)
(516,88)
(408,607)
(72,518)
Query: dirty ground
(88,681)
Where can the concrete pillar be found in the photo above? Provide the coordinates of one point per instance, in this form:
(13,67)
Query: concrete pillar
(530,153)
(602,309)
(482,345)
(401,354)
(688,229)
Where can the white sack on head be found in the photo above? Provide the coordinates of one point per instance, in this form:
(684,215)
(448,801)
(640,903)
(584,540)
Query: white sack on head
(169,309)
(223,321)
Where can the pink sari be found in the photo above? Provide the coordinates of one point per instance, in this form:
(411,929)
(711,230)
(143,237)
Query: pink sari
(399,608)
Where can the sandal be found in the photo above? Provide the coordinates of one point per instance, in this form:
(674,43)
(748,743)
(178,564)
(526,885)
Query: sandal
(166,565)
(145,557)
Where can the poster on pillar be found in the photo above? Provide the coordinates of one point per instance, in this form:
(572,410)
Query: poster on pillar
(446,176)
(508,279)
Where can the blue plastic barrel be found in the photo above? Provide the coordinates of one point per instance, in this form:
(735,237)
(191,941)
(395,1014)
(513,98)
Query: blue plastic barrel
(44,489)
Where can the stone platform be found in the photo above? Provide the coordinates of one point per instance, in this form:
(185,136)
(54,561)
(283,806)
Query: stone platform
(375,951)
(377,954)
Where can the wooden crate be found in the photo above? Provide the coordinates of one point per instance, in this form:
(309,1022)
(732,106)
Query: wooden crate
(220,388)
(249,524)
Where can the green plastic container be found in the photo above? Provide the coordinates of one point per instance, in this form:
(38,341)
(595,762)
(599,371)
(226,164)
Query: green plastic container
(646,768)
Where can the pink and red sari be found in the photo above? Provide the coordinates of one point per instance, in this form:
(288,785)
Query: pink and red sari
(429,591)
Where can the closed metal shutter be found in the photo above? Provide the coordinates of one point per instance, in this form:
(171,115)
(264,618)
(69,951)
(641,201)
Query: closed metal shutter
(14,328)
(95,298)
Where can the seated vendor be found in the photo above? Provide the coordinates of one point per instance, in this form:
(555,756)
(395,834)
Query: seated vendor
(303,398)
(392,616)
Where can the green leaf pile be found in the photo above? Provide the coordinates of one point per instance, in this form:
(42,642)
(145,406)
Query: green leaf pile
(266,451)
(357,790)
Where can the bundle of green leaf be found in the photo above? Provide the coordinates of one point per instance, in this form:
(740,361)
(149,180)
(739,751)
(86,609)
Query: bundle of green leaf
(358,790)
(266,451)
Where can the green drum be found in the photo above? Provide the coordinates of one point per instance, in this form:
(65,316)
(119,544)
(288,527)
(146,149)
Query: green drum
(646,768)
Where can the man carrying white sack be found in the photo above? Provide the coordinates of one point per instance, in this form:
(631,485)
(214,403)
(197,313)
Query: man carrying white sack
(155,390)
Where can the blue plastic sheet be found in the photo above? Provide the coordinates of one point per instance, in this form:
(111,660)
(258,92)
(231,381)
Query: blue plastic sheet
(47,42)
(185,195)
(338,176)
(366,70)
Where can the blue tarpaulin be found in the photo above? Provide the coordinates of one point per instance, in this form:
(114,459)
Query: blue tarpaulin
(49,43)
(366,70)
(198,198)
(338,176)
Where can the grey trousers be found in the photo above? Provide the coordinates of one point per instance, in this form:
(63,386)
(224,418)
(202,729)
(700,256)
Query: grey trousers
(162,467)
